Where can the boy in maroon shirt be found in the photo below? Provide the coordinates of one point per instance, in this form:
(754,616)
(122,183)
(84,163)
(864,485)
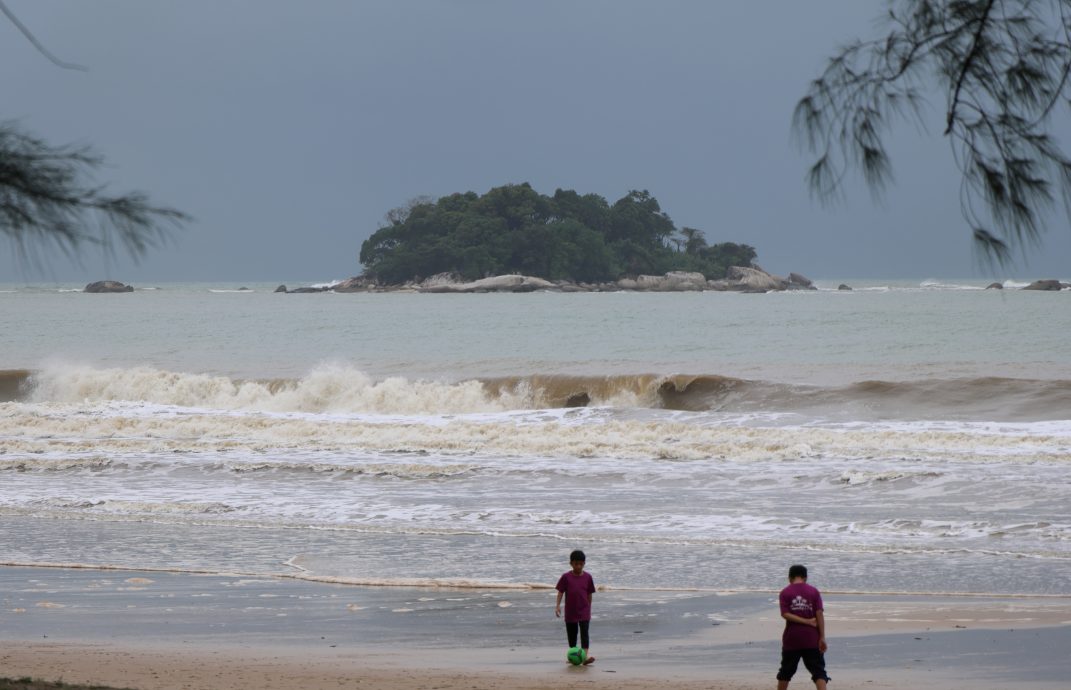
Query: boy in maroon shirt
(805,630)
(577,587)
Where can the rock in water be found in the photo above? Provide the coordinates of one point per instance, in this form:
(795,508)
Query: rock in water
(1050,285)
(108,286)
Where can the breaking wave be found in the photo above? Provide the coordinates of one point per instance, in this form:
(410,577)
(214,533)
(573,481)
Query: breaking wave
(346,390)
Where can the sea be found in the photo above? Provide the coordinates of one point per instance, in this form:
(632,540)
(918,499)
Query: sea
(904,436)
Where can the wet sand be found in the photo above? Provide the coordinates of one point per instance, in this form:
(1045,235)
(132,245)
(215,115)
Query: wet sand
(165,630)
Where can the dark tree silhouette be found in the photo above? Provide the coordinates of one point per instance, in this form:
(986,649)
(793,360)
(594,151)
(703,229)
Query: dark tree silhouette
(1002,67)
(46,198)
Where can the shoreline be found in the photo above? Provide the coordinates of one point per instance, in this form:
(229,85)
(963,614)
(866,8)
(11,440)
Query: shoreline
(169,630)
(489,586)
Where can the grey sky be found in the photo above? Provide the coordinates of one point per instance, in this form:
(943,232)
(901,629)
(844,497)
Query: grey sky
(288,129)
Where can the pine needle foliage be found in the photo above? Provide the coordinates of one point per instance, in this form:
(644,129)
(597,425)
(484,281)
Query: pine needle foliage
(1002,67)
(47,198)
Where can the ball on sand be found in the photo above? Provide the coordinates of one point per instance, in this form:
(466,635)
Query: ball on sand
(575,655)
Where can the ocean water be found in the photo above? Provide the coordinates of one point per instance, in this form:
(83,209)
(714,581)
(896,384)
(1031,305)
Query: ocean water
(904,436)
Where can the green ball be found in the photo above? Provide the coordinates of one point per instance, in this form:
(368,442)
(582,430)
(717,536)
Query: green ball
(576,655)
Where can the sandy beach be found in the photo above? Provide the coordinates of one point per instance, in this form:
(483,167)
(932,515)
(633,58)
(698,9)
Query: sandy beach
(159,631)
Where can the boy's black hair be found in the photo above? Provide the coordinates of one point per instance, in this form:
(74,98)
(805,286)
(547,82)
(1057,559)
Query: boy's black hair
(797,571)
(577,555)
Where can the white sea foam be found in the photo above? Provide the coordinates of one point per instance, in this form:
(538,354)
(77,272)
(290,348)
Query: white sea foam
(854,477)
(126,507)
(901,535)
(52,464)
(27,429)
(425,582)
(934,284)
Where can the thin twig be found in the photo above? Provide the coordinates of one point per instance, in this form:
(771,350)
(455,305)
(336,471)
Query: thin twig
(975,47)
(37,44)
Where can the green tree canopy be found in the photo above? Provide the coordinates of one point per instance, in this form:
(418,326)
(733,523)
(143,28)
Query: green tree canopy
(1002,67)
(514,229)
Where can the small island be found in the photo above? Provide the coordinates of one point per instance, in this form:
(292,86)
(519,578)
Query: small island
(513,239)
(514,230)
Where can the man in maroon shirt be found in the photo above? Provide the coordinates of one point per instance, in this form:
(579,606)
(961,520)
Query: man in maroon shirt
(805,630)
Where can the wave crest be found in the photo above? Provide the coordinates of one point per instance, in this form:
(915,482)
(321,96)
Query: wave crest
(341,389)
(326,389)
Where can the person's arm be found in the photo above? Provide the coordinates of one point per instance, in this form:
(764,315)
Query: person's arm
(793,618)
(820,623)
(558,605)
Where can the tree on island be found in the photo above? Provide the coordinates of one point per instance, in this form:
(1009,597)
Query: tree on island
(514,229)
(1002,66)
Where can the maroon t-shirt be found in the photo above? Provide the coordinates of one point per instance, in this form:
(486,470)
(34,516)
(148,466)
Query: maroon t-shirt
(804,601)
(578,590)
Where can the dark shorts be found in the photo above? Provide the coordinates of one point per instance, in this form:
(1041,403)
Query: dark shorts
(812,659)
(571,630)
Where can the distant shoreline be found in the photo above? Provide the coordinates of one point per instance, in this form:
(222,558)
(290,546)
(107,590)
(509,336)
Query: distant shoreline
(315,286)
(740,279)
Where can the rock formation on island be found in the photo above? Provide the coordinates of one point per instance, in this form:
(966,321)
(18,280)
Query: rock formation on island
(739,279)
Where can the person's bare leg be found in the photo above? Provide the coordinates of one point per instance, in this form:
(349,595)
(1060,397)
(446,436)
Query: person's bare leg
(782,685)
(820,684)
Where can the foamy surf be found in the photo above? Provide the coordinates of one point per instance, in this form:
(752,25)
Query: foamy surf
(691,441)
(43,430)
(934,284)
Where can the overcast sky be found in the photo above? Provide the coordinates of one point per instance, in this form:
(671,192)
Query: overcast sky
(288,129)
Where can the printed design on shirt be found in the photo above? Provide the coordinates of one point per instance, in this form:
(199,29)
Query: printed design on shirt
(800,606)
